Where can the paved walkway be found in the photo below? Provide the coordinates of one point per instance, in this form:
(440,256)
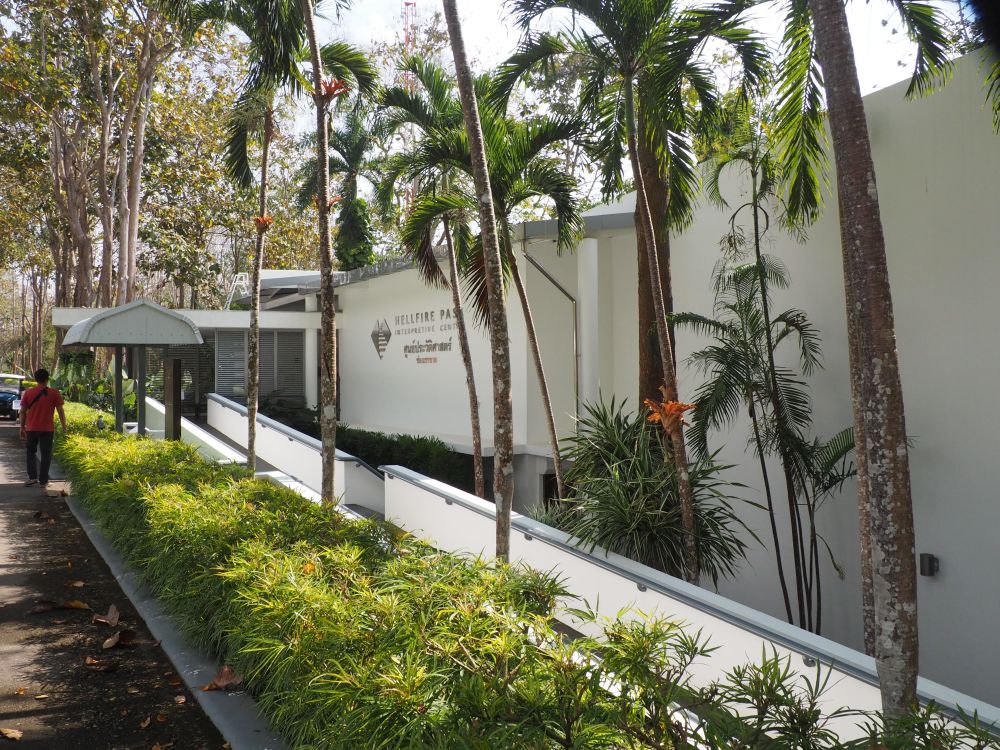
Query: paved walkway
(131,697)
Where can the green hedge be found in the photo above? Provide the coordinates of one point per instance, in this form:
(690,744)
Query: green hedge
(352,634)
(425,455)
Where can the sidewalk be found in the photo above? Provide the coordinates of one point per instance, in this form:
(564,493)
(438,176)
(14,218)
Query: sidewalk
(131,697)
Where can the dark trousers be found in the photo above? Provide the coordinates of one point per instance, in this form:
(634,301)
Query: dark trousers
(36,441)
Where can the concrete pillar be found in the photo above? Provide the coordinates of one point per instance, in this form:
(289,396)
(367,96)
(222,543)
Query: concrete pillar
(119,408)
(310,357)
(140,390)
(588,312)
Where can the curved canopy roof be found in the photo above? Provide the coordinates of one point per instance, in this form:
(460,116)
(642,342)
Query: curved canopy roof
(135,324)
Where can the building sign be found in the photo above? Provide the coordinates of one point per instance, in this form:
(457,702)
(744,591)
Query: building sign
(424,331)
(380,337)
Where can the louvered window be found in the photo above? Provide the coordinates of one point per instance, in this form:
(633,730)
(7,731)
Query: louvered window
(289,372)
(267,377)
(230,365)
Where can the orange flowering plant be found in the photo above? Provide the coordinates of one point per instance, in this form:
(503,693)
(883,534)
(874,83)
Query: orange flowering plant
(263,223)
(668,413)
(335,87)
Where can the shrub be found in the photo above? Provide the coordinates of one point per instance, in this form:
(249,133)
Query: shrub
(624,497)
(352,634)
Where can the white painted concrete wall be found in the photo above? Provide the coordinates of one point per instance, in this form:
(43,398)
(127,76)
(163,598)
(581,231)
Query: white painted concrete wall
(298,455)
(207,444)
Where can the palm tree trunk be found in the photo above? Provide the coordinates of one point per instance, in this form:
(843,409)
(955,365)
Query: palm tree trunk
(875,383)
(253,345)
(651,375)
(470,376)
(503,440)
(770,507)
(543,385)
(691,567)
(328,325)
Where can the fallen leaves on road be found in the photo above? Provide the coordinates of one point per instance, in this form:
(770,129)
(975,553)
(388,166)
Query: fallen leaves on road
(19,691)
(41,697)
(121,638)
(225,677)
(180,700)
(158,746)
(145,722)
(11,734)
(161,718)
(75,584)
(111,618)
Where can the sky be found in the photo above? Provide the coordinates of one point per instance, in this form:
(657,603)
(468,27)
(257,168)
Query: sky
(883,57)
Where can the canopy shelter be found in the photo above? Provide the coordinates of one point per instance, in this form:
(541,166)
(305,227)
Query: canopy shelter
(138,324)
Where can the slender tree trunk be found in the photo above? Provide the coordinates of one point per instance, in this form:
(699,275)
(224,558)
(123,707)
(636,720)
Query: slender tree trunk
(875,383)
(503,441)
(328,325)
(651,375)
(543,385)
(135,188)
(781,424)
(770,507)
(470,376)
(686,496)
(253,344)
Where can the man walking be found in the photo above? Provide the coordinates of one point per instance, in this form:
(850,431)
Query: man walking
(38,426)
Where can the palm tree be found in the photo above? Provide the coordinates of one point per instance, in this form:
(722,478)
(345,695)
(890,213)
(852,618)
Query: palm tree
(819,57)
(503,441)
(253,116)
(521,171)
(345,63)
(649,49)
(275,35)
(433,108)
(351,142)
(742,375)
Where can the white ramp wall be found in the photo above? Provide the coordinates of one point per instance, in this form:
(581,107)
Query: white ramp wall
(298,455)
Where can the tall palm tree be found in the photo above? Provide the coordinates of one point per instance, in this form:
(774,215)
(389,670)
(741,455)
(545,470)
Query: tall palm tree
(428,109)
(520,171)
(503,440)
(253,116)
(276,51)
(639,57)
(345,63)
(819,58)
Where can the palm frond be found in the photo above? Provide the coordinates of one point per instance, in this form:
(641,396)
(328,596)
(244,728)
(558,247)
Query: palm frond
(418,231)
(924,26)
(347,62)
(799,117)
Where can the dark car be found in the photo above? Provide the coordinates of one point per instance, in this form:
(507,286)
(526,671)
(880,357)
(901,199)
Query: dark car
(11,387)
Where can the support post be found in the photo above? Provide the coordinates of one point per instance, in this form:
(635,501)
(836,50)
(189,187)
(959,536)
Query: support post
(310,358)
(119,405)
(172,374)
(140,389)
(588,275)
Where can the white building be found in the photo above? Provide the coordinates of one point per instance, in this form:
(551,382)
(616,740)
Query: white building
(937,163)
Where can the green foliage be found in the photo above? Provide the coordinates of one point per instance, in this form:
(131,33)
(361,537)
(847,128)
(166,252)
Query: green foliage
(354,244)
(426,455)
(624,496)
(351,634)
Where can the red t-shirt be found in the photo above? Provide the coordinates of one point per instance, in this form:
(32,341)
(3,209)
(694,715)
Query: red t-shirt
(40,408)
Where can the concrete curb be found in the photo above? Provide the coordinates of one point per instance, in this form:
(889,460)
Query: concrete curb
(235,714)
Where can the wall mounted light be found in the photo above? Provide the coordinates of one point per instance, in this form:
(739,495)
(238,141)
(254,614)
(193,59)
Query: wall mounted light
(929,564)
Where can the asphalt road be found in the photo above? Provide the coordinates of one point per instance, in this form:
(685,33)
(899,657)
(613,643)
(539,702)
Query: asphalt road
(127,696)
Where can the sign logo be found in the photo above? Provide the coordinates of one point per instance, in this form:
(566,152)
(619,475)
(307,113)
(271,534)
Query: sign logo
(380,337)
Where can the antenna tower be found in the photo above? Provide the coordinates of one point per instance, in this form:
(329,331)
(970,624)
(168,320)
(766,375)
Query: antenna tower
(409,81)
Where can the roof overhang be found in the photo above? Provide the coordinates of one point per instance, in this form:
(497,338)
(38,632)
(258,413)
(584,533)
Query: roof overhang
(139,323)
